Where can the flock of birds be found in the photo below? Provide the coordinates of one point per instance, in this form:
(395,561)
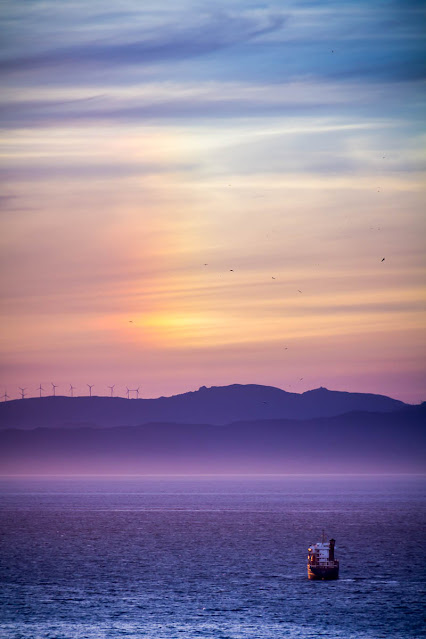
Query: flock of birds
(231,270)
(5,396)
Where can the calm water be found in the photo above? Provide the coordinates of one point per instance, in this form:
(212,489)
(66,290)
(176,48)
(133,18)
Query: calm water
(212,558)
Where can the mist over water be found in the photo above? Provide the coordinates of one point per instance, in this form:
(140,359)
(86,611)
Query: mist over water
(224,557)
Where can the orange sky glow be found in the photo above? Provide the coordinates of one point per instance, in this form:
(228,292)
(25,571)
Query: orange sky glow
(210,248)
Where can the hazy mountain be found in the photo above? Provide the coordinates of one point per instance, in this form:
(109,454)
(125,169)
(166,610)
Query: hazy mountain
(357,442)
(216,405)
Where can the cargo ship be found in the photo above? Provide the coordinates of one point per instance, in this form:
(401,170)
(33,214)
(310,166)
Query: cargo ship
(321,561)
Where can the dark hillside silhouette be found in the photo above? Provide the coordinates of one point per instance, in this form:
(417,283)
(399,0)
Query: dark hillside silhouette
(215,405)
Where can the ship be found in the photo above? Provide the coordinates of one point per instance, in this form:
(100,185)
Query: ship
(321,561)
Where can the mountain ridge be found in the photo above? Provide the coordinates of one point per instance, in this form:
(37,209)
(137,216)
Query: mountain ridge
(214,405)
(353,442)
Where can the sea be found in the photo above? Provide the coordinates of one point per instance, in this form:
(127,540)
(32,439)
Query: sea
(211,557)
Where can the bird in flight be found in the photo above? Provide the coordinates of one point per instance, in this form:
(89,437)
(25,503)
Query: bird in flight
(299,291)
(383,259)
(273,278)
(231,270)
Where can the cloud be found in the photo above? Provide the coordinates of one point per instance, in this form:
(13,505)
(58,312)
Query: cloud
(52,170)
(229,39)
(196,100)
(219,31)
(6,201)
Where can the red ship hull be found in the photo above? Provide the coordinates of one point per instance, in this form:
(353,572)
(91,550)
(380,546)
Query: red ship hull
(319,572)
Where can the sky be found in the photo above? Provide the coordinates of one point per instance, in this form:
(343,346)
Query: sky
(207,193)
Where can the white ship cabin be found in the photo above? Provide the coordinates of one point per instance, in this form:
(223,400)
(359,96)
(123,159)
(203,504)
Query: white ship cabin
(322,554)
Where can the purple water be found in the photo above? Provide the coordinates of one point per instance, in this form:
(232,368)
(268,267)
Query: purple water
(224,558)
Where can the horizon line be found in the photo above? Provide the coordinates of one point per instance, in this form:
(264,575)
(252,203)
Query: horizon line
(201,475)
(289,392)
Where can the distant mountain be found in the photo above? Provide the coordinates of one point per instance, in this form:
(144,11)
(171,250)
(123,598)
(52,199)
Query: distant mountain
(356,442)
(215,405)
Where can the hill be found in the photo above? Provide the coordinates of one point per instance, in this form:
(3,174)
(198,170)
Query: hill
(215,405)
(356,442)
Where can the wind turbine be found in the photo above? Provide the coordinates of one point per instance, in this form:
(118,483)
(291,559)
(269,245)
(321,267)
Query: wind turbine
(72,390)
(40,388)
(112,390)
(128,392)
(5,396)
(90,389)
(54,387)
(137,392)
(22,392)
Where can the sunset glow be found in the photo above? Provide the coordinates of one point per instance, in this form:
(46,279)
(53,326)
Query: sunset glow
(207,197)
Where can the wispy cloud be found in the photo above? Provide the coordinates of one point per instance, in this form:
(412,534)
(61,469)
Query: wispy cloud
(217,31)
(168,102)
(371,42)
(51,170)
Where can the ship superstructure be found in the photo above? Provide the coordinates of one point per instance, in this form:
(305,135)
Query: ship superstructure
(321,561)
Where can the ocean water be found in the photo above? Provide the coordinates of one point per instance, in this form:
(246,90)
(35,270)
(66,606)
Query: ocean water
(224,558)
